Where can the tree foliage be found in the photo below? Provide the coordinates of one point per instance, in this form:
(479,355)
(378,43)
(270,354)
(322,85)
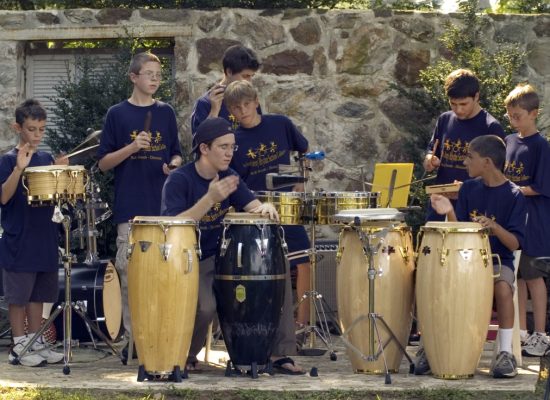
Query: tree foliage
(524,6)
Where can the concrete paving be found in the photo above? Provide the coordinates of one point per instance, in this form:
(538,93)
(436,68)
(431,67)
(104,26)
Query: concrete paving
(97,369)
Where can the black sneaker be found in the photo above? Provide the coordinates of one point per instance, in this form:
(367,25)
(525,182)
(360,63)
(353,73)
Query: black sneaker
(125,352)
(421,365)
(505,365)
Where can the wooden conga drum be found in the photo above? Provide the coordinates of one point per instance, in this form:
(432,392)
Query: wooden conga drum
(393,285)
(454,294)
(163,281)
(250,285)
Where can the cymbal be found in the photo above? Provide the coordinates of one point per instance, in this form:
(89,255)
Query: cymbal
(91,139)
(82,155)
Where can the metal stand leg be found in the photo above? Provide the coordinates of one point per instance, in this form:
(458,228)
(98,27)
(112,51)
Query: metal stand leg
(66,307)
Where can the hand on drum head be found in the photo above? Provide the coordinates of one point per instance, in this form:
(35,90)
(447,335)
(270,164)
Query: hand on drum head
(441,204)
(219,190)
(486,222)
(62,159)
(267,209)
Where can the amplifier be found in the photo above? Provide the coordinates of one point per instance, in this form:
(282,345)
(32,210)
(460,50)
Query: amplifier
(325,275)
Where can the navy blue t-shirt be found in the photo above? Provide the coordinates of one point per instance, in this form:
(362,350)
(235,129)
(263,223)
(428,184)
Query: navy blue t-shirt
(30,238)
(528,164)
(139,178)
(185,187)
(454,136)
(265,146)
(505,204)
(202,109)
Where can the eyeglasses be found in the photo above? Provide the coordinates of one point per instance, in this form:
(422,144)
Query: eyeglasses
(513,117)
(151,74)
(225,147)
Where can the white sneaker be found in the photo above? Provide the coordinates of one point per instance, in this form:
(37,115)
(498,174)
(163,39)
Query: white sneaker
(29,359)
(51,357)
(536,345)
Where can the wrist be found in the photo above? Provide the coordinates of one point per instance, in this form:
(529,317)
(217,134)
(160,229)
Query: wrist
(18,169)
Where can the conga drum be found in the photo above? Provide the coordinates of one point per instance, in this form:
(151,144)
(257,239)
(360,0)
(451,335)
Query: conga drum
(249,285)
(454,294)
(163,282)
(393,285)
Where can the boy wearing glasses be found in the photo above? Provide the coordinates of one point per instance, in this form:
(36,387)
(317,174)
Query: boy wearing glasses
(528,166)
(204,190)
(455,129)
(140,142)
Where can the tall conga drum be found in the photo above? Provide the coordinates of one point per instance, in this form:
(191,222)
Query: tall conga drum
(163,282)
(250,285)
(454,294)
(393,286)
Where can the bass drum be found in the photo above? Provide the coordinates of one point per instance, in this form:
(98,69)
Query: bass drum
(97,288)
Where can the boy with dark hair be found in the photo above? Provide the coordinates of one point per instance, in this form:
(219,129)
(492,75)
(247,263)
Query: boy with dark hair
(28,246)
(204,190)
(528,166)
(140,141)
(497,204)
(455,129)
(267,141)
(239,63)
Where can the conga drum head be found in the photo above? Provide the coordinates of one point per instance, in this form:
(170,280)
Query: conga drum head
(370,216)
(453,226)
(157,220)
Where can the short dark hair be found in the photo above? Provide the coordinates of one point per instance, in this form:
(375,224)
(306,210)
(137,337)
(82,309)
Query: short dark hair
(238,58)
(139,59)
(490,146)
(197,153)
(30,108)
(523,96)
(461,83)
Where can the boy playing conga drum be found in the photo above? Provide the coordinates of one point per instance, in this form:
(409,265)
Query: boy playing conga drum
(497,204)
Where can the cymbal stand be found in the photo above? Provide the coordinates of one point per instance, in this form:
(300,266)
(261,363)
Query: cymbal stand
(370,250)
(316,301)
(67,306)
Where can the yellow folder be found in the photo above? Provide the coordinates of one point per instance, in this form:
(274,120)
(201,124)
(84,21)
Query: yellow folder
(393,175)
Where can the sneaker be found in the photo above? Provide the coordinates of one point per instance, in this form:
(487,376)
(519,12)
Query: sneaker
(505,365)
(421,365)
(29,359)
(51,357)
(536,345)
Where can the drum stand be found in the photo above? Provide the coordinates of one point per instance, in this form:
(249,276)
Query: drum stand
(370,250)
(66,307)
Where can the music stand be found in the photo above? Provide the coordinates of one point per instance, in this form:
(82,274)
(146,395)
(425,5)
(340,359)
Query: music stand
(393,181)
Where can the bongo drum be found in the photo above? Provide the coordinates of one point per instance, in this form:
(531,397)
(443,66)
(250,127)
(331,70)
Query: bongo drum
(393,284)
(454,293)
(249,285)
(49,183)
(331,203)
(289,205)
(163,282)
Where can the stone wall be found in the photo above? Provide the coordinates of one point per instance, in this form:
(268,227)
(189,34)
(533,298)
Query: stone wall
(330,71)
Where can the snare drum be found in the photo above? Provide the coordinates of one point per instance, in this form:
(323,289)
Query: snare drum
(393,285)
(331,203)
(163,285)
(50,183)
(250,285)
(289,205)
(454,293)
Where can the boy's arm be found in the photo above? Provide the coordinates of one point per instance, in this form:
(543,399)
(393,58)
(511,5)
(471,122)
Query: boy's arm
(111,160)
(443,206)
(507,238)
(9,187)
(528,191)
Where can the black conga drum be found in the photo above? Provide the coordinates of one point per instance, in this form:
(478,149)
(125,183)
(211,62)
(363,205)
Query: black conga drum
(249,285)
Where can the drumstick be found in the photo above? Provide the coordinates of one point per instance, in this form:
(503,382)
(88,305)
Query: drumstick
(147,123)
(436,143)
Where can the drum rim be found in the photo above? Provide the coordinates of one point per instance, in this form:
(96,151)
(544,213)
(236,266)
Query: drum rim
(453,227)
(53,167)
(249,221)
(344,194)
(145,220)
(277,193)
